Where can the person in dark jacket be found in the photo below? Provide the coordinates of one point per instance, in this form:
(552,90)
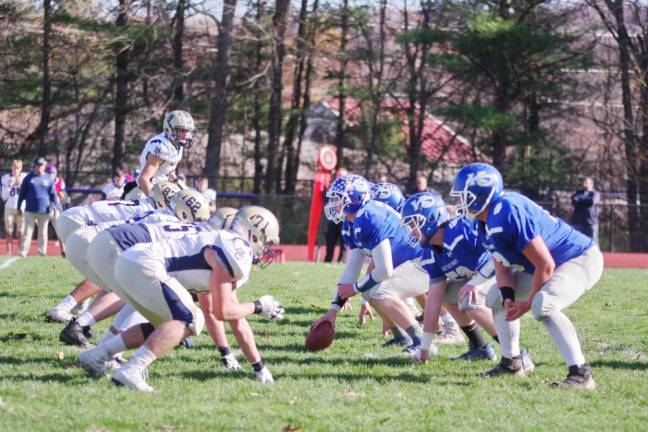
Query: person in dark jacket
(39,194)
(585,202)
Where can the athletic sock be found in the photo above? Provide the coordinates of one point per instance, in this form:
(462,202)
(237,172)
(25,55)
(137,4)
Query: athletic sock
(67,304)
(85,319)
(106,337)
(564,335)
(496,338)
(473,331)
(142,357)
(508,333)
(397,332)
(114,345)
(415,333)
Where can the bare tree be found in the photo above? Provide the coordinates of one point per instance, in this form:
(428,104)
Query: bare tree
(43,127)
(219,100)
(178,87)
(341,89)
(121,85)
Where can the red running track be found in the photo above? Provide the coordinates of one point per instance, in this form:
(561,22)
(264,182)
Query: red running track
(300,253)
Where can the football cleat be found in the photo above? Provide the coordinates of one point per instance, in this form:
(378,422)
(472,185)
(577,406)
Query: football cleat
(58,315)
(578,377)
(187,343)
(81,307)
(93,361)
(506,366)
(132,377)
(400,340)
(487,352)
(73,334)
(412,349)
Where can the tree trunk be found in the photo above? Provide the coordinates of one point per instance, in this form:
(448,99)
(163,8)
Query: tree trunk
(219,100)
(43,127)
(178,93)
(274,114)
(339,132)
(121,87)
(629,139)
(258,167)
(295,110)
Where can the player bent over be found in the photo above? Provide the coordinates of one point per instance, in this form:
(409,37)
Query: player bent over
(460,271)
(95,214)
(541,264)
(373,229)
(155,279)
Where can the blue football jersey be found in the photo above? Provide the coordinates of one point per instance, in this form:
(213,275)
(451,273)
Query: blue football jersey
(462,254)
(376,222)
(514,220)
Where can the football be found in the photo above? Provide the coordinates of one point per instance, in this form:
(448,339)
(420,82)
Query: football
(320,337)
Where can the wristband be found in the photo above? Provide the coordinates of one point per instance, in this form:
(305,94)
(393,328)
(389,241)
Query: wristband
(338,302)
(507,293)
(258,308)
(426,341)
(258,366)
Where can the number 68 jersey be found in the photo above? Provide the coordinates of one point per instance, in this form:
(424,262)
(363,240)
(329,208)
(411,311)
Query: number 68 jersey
(184,259)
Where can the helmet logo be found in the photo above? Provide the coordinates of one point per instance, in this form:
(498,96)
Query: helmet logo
(257,220)
(481,178)
(424,202)
(193,204)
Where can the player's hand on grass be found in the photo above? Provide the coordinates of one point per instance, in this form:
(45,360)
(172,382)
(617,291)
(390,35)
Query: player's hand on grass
(515,309)
(329,316)
(365,312)
(230,362)
(264,376)
(347,306)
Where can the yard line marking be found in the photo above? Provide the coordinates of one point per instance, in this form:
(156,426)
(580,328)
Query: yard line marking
(7,263)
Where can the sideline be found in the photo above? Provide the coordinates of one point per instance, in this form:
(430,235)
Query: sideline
(8,263)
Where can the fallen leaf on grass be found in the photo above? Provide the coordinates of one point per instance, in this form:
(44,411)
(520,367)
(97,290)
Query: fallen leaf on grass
(291,428)
(382,421)
(293,400)
(168,428)
(351,393)
(266,334)
(253,394)
(60,355)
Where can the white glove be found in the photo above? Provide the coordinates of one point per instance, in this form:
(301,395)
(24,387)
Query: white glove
(270,308)
(264,376)
(420,356)
(230,362)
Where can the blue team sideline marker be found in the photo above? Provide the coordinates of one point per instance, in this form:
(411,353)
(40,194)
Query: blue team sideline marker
(7,263)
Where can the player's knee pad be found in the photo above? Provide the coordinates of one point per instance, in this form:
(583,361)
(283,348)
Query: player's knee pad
(494,298)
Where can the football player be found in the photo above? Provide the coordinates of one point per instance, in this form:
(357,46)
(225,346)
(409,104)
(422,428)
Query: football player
(373,229)
(97,213)
(155,279)
(162,153)
(96,249)
(541,264)
(460,271)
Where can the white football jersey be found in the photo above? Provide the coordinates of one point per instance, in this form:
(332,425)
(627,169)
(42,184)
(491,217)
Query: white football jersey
(10,194)
(153,228)
(161,147)
(108,211)
(183,258)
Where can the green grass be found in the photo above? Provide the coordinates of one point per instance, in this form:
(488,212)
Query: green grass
(353,385)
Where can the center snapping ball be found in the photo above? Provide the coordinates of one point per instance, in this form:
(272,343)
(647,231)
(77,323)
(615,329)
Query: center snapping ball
(320,337)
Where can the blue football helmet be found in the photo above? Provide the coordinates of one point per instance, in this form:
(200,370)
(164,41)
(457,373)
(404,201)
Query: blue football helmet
(347,194)
(476,185)
(389,194)
(425,211)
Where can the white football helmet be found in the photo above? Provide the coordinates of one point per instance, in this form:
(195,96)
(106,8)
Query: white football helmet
(222,218)
(260,228)
(162,193)
(179,128)
(190,206)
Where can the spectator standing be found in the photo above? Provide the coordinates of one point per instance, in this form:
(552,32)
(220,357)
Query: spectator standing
(585,202)
(39,194)
(421,184)
(201,184)
(334,232)
(10,188)
(114,189)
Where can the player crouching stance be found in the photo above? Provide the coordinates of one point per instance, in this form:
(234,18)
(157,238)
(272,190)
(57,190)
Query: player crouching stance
(541,264)
(155,279)
(460,270)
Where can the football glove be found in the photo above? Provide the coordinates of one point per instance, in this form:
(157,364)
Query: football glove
(264,376)
(230,362)
(268,307)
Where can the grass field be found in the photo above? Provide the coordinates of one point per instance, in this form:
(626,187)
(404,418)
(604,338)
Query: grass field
(353,385)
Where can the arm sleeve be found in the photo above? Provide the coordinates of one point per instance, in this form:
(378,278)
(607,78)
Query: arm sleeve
(384,267)
(354,264)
